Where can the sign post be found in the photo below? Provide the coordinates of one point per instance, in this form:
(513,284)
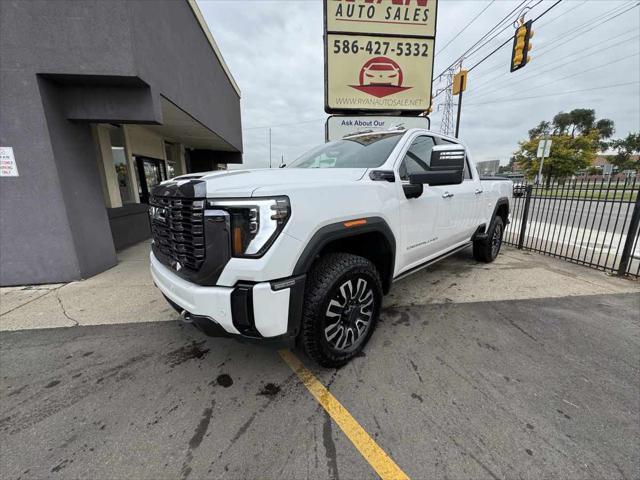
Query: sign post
(379,56)
(544,149)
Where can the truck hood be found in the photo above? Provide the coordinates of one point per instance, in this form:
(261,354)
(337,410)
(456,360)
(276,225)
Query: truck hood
(246,183)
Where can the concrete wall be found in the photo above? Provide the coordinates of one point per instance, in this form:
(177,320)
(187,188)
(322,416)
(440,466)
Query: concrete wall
(144,142)
(66,65)
(168,29)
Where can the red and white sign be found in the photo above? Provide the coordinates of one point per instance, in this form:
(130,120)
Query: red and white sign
(8,167)
(379,55)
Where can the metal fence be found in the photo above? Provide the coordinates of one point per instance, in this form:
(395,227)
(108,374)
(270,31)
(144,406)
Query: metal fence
(593,223)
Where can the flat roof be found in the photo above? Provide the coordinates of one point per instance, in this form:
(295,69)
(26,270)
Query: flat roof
(214,46)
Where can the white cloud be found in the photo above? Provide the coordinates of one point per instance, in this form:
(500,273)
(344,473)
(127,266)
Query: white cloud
(275,52)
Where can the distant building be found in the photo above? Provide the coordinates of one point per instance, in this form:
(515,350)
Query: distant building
(603,163)
(100,101)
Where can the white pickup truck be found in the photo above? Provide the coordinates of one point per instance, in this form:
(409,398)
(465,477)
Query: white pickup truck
(306,252)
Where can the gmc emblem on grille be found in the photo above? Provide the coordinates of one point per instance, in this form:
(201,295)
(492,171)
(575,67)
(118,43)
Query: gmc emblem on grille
(158,213)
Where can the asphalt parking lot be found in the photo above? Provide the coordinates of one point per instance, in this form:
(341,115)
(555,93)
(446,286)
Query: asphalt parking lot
(532,388)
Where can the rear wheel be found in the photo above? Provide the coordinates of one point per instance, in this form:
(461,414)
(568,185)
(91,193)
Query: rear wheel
(487,250)
(342,304)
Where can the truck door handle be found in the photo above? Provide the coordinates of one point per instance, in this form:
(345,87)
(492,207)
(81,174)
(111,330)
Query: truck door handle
(447,195)
(478,192)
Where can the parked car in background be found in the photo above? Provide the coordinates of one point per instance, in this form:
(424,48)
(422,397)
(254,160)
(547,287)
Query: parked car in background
(519,189)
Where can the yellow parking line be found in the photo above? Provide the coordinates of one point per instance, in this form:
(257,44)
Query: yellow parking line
(370,450)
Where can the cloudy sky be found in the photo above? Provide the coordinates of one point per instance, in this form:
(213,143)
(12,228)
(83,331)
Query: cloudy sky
(275,51)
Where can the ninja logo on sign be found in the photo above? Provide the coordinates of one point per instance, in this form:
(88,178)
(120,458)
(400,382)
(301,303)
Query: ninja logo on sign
(380,77)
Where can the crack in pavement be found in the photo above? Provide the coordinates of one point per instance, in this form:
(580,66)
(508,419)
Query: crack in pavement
(32,300)
(64,311)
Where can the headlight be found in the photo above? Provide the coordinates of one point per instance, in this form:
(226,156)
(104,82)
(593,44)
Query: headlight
(255,223)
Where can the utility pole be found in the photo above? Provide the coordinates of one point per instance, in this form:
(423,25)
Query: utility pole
(458,86)
(269,147)
(459,111)
(446,124)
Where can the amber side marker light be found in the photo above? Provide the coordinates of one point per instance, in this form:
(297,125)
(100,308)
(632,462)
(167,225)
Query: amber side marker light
(237,241)
(355,223)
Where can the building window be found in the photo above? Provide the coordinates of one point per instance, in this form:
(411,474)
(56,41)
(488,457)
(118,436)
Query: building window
(121,165)
(173,160)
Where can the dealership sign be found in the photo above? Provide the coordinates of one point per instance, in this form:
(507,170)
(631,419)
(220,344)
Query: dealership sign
(339,126)
(389,17)
(379,54)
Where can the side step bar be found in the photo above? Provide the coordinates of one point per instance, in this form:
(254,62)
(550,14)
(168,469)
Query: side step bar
(431,262)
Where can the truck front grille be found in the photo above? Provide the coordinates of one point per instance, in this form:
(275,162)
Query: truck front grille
(177,228)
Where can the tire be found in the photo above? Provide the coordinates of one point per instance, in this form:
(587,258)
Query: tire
(487,251)
(342,304)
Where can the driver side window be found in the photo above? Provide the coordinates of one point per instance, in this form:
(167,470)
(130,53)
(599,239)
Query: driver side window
(417,158)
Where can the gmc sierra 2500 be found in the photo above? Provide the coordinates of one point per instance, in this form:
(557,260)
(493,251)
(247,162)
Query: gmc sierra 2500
(307,252)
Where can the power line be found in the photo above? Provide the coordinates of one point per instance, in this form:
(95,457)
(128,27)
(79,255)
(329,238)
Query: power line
(497,25)
(479,47)
(615,12)
(555,65)
(602,87)
(465,27)
(581,51)
(501,73)
(507,41)
(597,67)
(562,14)
(590,24)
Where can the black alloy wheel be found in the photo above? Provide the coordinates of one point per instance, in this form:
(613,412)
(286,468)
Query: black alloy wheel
(343,297)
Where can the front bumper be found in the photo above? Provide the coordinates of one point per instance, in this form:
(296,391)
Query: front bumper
(265,310)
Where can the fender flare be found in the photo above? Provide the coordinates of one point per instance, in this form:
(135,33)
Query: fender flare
(336,231)
(501,201)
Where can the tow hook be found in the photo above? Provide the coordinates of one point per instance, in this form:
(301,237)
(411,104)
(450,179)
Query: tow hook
(185,317)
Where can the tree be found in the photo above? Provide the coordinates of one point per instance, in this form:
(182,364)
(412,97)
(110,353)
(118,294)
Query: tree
(568,155)
(626,148)
(561,123)
(541,130)
(583,120)
(580,121)
(576,136)
(605,127)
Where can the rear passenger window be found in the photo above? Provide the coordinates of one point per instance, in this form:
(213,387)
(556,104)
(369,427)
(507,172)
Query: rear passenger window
(467,169)
(417,158)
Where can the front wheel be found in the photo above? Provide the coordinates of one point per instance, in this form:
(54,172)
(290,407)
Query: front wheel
(341,307)
(487,250)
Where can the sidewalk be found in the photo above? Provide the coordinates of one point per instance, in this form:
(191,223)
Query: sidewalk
(126,294)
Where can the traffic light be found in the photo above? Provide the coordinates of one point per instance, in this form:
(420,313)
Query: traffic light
(521,46)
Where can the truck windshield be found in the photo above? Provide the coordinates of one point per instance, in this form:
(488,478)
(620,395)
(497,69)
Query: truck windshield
(367,151)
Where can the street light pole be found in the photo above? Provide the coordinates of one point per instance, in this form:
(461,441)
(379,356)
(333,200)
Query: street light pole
(269,147)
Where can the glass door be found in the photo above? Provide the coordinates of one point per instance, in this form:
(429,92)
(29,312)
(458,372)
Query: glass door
(151,172)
